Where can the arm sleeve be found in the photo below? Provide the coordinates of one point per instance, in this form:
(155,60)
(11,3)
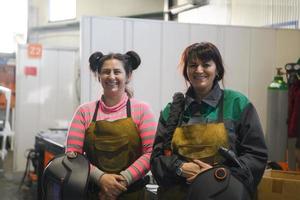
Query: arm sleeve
(76,132)
(164,167)
(75,139)
(251,148)
(147,128)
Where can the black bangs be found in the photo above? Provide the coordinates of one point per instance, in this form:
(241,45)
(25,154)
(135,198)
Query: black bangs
(199,53)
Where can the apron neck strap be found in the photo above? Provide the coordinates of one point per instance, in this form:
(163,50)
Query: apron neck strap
(220,112)
(96,111)
(128,110)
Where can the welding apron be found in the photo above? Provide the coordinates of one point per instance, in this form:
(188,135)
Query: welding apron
(113,147)
(199,141)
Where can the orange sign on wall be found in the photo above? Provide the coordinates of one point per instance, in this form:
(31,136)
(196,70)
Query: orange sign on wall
(34,50)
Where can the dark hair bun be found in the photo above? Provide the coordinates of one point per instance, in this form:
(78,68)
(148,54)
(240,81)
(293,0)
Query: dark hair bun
(134,59)
(94,61)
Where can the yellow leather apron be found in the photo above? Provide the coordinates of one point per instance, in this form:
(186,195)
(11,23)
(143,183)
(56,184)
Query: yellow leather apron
(113,146)
(198,141)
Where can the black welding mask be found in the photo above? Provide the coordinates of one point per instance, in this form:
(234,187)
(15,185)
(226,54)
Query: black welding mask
(217,183)
(66,177)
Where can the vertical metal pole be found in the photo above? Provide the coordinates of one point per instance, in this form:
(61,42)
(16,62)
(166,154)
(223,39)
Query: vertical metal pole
(166,10)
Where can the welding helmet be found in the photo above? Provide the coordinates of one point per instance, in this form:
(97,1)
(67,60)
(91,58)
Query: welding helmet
(66,177)
(217,183)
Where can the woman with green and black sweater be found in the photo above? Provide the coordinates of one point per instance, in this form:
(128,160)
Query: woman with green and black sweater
(194,127)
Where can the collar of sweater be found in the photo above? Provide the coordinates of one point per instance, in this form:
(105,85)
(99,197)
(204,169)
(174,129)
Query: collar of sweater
(115,108)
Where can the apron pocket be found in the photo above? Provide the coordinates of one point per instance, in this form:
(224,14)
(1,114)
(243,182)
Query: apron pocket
(205,153)
(112,153)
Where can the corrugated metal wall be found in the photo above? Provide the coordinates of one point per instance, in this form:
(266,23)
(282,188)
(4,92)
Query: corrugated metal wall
(268,13)
(285,13)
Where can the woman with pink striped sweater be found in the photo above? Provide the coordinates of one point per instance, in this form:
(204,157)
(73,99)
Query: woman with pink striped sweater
(116,132)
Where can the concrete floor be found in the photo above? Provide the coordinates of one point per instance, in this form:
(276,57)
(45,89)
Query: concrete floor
(10,182)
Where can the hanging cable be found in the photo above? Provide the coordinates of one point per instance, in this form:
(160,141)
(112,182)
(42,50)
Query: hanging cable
(32,156)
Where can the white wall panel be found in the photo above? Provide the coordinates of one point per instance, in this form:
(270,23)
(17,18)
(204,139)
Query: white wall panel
(47,100)
(85,51)
(175,39)
(205,33)
(67,88)
(27,111)
(128,35)
(262,62)
(147,78)
(108,35)
(236,58)
(57,85)
(48,86)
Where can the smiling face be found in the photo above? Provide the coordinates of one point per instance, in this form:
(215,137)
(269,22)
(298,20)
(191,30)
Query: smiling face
(202,67)
(113,77)
(201,75)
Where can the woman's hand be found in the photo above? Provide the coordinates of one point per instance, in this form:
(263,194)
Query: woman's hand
(203,167)
(190,170)
(111,187)
(123,182)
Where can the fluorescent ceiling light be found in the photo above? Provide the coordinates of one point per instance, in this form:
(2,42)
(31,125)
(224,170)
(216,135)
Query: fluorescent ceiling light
(189,4)
(181,8)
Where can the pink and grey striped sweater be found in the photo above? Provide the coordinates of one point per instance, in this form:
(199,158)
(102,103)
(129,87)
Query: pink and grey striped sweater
(141,115)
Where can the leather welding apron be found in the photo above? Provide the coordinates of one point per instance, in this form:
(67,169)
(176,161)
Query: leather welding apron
(199,141)
(113,147)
